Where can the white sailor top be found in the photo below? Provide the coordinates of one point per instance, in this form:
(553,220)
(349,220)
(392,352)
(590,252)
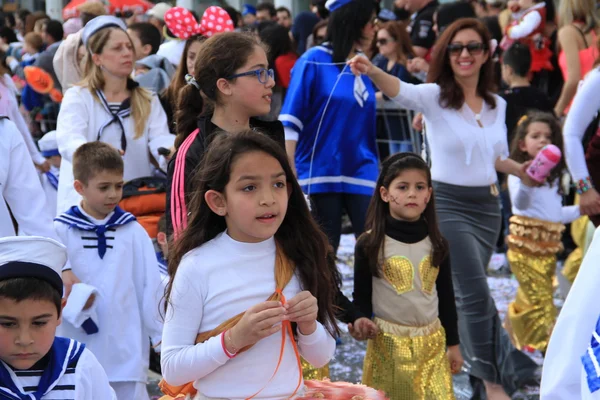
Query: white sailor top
(84,119)
(68,372)
(20,187)
(122,267)
(50,184)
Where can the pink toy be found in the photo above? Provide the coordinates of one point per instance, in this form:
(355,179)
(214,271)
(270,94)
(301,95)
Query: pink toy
(548,157)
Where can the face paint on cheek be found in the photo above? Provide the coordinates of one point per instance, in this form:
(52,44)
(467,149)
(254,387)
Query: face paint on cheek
(393,200)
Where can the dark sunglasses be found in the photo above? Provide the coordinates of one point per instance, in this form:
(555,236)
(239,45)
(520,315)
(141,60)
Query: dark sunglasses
(319,39)
(474,48)
(383,42)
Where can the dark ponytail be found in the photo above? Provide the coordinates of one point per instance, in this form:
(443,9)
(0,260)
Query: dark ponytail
(189,107)
(219,57)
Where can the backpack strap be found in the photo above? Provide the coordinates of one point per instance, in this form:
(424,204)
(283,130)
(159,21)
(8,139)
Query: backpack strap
(178,206)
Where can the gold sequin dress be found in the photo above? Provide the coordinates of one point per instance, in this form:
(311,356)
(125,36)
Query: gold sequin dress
(532,248)
(407,360)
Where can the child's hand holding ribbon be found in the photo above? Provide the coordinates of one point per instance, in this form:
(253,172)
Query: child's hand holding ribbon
(303,310)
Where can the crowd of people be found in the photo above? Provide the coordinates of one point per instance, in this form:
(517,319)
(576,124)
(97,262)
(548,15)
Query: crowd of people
(175,186)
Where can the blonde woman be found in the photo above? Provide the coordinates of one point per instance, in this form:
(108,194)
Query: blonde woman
(579,28)
(109,106)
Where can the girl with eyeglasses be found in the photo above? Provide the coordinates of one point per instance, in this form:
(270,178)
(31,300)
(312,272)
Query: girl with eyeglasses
(466,132)
(231,84)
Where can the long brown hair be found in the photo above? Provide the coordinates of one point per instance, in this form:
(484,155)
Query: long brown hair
(299,236)
(219,57)
(440,70)
(93,79)
(374,236)
(398,32)
(556,139)
(32,19)
(178,81)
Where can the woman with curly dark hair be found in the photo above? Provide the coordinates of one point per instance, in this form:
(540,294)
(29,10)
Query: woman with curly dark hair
(468,144)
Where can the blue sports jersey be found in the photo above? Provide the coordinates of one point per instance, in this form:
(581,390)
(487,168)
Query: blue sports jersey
(345,156)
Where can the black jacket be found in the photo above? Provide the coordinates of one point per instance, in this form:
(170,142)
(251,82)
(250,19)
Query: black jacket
(195,154)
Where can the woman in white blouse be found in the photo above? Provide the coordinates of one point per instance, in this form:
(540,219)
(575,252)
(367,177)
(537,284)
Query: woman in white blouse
(109,106)
(467,136)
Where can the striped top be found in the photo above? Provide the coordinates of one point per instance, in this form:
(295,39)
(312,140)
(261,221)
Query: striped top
(65,390)
(114,107)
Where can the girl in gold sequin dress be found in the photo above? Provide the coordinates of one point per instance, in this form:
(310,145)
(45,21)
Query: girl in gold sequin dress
(535,235)
(402,277)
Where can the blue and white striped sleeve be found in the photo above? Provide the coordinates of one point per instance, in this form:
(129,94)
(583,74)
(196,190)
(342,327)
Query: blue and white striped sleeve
(297,105)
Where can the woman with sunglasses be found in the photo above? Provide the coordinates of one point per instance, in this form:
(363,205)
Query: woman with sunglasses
(468,144)
(329,120)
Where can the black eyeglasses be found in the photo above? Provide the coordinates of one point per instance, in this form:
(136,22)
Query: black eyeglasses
(474,48)
(383,42)
(262,74)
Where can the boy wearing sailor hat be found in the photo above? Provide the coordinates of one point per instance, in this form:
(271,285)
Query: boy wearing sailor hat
(34,363)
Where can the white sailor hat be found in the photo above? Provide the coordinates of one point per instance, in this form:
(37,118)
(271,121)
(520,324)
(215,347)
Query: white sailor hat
(333,5)
(98,23)
(32,257)
(48,145)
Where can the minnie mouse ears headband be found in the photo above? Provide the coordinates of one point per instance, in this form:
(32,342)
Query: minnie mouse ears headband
(183,25)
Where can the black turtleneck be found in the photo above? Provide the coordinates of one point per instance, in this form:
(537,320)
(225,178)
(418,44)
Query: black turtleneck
(409,233)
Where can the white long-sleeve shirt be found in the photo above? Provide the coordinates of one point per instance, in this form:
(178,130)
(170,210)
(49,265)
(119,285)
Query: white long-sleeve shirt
(127,306)
(79,121)
(462,152)
(544,202)
(583,110)
(10,107)
(213,283)
(20,188)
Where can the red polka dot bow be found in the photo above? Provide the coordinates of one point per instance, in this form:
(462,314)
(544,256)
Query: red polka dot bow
(182,23)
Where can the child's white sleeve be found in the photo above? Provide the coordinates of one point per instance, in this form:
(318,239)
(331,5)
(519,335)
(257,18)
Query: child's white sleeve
(520,194)
(318,347)
(147,283)
(528,24)
(91,382)
(182,360)
(23,191)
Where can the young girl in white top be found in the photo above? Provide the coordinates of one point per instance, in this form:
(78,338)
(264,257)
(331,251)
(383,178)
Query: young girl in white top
(535,234)
(467,138)
(250,262)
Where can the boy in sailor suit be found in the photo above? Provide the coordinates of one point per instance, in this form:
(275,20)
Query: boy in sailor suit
(34,364)
(20,189)
(49,149)
(113,256)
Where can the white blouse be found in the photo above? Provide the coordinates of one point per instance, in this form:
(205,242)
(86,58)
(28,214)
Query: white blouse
(462,152)
(81,117)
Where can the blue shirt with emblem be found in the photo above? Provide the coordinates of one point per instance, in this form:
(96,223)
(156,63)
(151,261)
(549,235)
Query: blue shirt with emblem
(336,149)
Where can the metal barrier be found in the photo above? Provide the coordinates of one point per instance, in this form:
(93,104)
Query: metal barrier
(395,131)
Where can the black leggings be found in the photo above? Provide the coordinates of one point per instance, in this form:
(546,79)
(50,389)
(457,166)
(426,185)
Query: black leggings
(328,209)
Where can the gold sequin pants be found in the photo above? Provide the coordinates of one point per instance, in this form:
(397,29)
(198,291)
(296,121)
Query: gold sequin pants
(532,248)
(409,363)
(311,373)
